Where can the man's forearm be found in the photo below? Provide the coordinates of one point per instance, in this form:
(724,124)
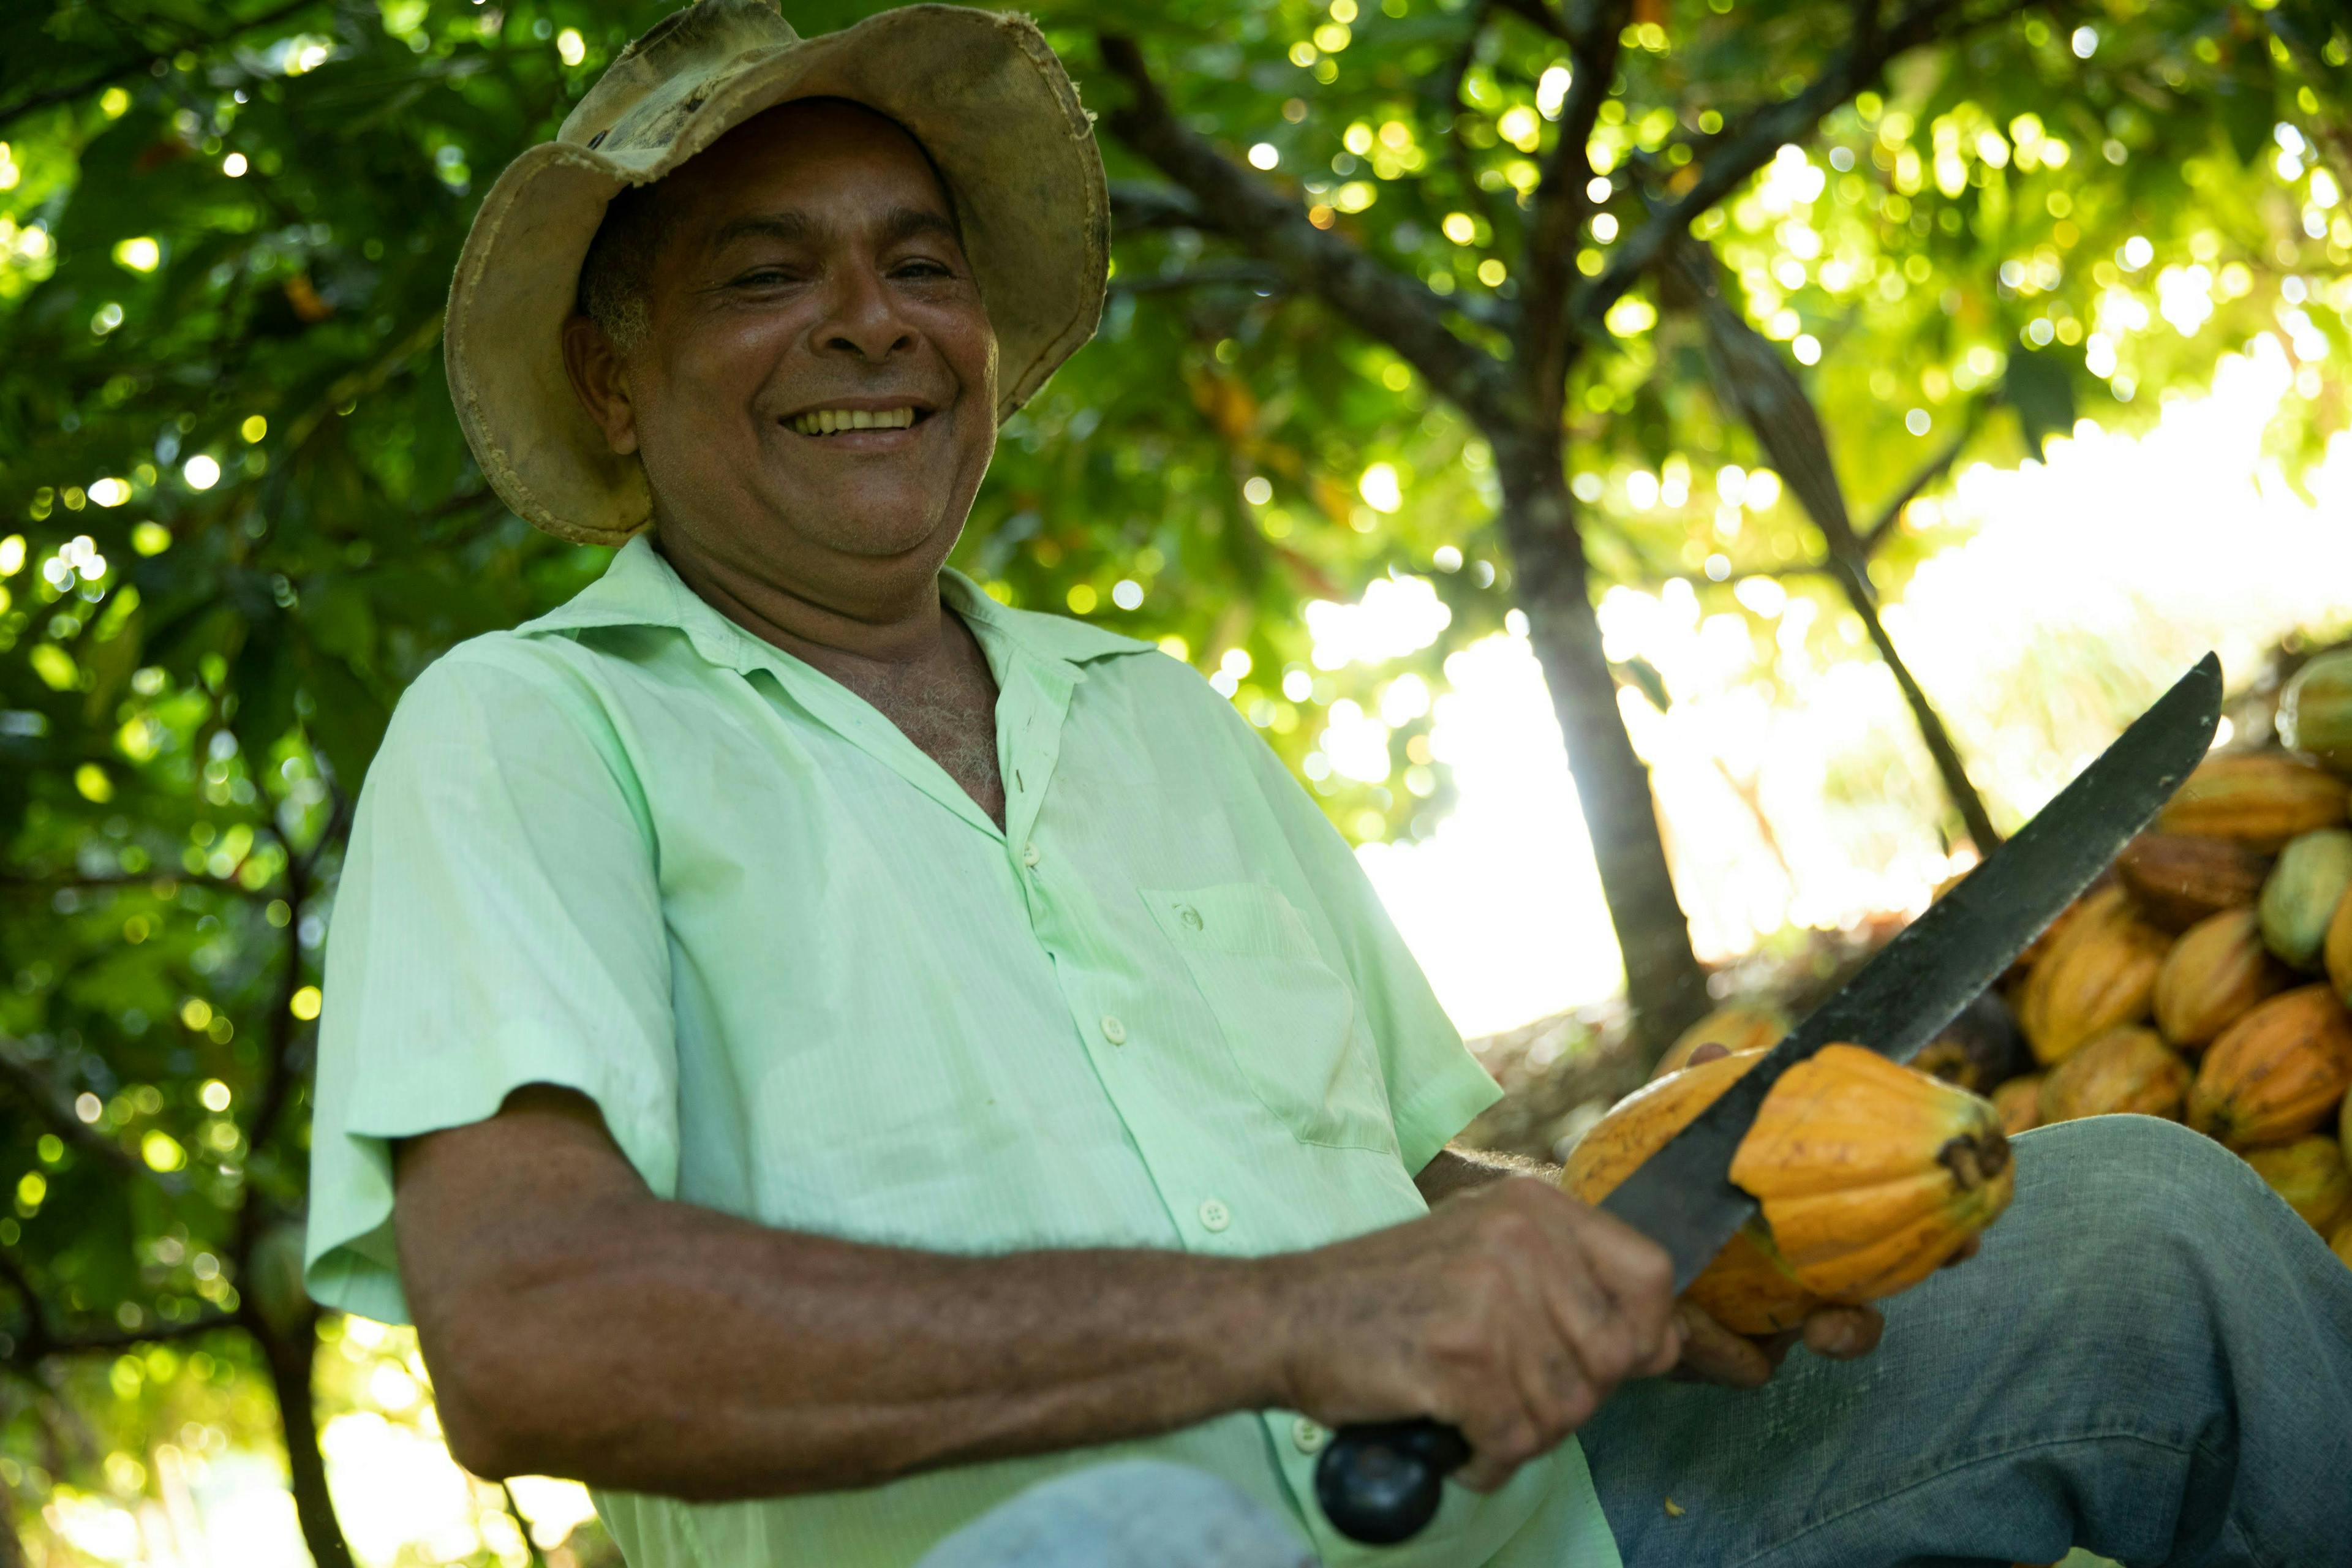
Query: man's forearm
(1458,1170)
(668,1349)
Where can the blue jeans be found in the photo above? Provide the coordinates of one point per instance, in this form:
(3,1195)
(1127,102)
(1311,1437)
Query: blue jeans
(2151,1358)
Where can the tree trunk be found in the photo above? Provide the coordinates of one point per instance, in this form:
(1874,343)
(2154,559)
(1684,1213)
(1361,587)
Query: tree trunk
(289,1356)
(1663,982)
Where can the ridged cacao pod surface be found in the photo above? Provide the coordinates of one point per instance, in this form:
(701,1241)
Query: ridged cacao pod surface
(2301,895)
(1746,1289)
(2278,1073)
(2018,1102)
(2100,973)
(2213,976)
(2123,1070)
(1871,1176)
(2336,952)
(2178,879)
(2309,1174)
(2315,712)
(1736,1026)
(2260,799)
(1979,1050)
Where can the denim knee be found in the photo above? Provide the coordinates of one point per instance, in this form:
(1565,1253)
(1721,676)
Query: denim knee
(2138,1192)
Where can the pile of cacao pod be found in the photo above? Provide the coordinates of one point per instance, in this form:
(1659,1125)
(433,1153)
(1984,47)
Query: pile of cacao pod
(2208,980)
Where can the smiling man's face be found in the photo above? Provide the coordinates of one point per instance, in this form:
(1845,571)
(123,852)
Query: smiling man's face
(812,391)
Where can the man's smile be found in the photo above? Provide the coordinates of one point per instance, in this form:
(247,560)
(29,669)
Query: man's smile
(861,423)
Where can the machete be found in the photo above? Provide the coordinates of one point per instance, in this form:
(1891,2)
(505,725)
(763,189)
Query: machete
(1379,1483)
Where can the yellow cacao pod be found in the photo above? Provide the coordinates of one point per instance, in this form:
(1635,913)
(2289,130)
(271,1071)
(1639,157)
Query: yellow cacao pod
(2123,1070)
(2260,799)
(2336,950)
(2018,1102)
(1871,1174)
(1746,1289)
(2213,974)
(1736,1026)
(2300,897)
(2309,1174)
(2178,880)
(2315,713)
(1878,1172)
(2100,973)
(2278,1073)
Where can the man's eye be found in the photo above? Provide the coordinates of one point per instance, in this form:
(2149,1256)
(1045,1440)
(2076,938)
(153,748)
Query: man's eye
(763,276)
(924,269)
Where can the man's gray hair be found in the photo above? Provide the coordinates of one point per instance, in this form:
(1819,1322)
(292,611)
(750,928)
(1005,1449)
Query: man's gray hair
(616,278)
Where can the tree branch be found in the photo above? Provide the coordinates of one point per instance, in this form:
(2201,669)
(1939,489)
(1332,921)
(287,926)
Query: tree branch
(228,885)
(1562,204)
(1402,312)
(1136,206)
(34,1087)
(1208,275)
(131,66)
(1457,151)
(1747,146)
(1934,469)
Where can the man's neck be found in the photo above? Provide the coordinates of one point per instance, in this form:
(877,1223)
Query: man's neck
(879,641)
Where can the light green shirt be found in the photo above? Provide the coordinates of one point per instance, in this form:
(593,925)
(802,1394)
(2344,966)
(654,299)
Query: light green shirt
(633,849)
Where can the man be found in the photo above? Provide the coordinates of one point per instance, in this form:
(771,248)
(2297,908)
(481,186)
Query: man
(859,1074)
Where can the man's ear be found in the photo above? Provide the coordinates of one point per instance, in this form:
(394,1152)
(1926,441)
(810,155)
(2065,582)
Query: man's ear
(601,380)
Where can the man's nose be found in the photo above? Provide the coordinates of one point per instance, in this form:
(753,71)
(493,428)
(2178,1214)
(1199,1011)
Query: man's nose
(865,319)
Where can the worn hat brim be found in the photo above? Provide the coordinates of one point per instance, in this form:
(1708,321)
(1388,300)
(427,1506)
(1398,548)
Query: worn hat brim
(982,91)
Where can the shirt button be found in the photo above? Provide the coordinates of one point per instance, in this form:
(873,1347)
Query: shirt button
(1215,1215)
(1113,1030)
(1189,915)
(1307,1436)
(1029,856)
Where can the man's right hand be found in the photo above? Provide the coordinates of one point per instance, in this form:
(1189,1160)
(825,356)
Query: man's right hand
(1511,1312)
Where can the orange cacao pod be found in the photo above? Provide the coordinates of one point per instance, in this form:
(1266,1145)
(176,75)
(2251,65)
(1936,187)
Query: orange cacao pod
(2260,799)
(2276,1073)
(1871,1174)
(2125,1069)
(1876,1172)
(2309,1174)
(2101,971)
(2019,1104)
(1746,1289)
(2213,975)
(1736,1026)
(2336,952)
(2178,880)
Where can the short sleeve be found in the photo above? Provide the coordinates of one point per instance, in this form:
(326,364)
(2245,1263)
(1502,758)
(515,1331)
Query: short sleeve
(499,923)
(1435,1085)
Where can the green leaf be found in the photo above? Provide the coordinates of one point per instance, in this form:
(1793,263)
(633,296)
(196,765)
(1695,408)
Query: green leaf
(2040,386)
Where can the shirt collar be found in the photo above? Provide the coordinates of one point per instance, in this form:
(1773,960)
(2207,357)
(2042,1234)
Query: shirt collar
(641,589)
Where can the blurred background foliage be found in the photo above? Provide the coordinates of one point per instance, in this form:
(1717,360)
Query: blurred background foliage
(236,518)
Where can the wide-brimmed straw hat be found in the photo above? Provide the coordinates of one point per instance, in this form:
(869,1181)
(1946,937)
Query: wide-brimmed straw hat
(979,90)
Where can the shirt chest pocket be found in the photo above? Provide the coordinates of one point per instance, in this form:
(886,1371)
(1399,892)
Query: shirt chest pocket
(1291,1023)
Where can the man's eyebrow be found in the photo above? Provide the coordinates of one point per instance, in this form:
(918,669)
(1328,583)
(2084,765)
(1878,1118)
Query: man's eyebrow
(906,222)
(784,225)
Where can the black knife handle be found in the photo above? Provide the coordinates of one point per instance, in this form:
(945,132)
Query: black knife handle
(1382,1482)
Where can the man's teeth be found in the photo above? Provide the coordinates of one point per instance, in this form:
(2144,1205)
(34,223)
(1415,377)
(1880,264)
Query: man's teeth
(826,421)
